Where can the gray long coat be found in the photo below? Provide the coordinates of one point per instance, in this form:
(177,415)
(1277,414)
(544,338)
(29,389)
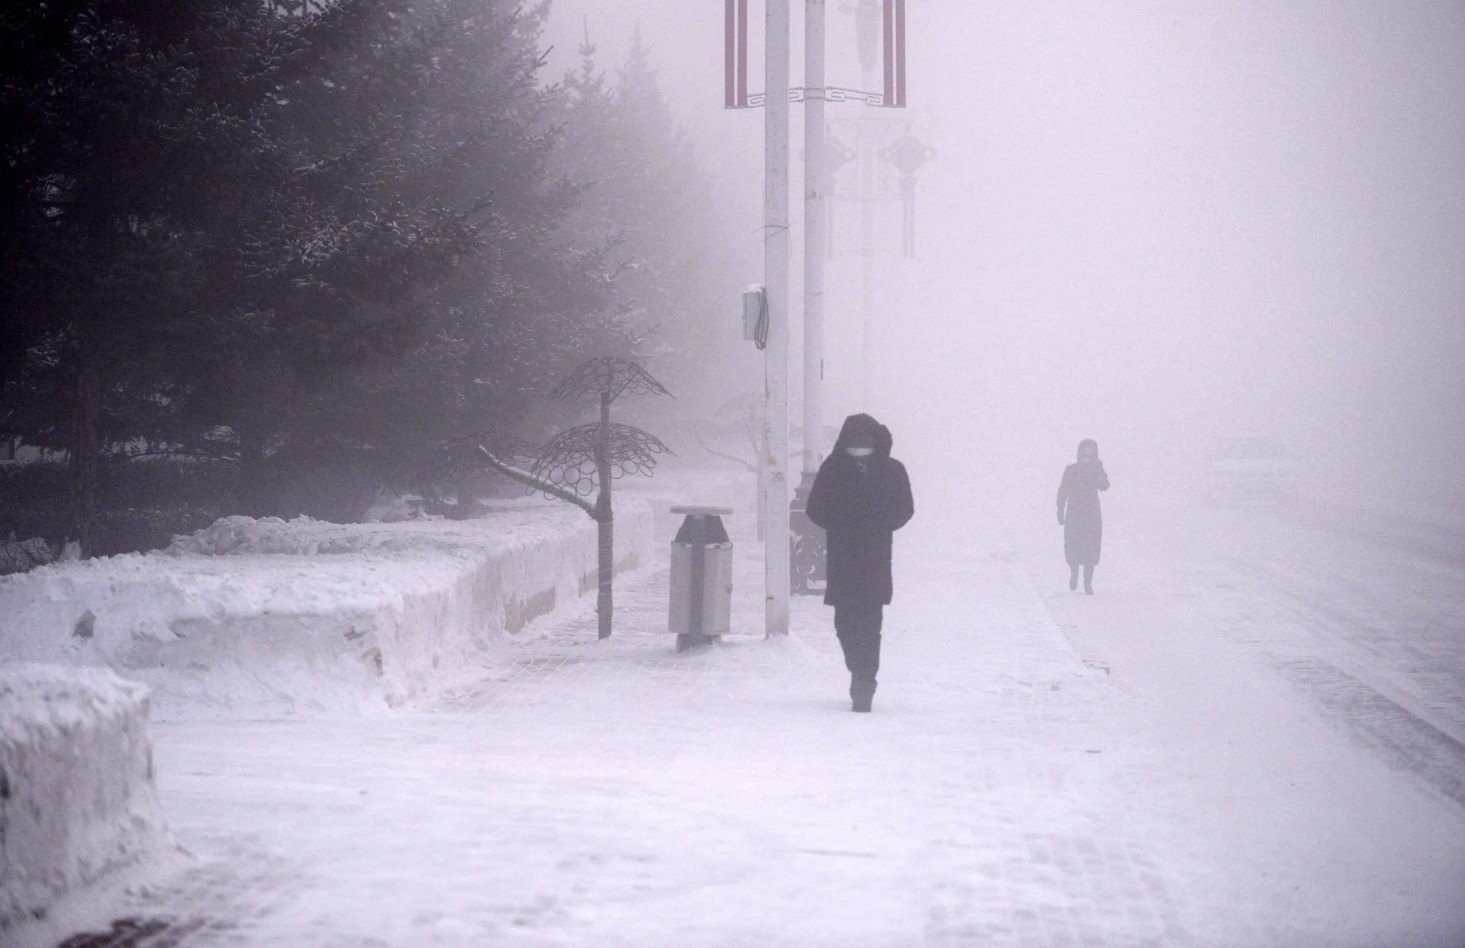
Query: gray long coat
(1079,511)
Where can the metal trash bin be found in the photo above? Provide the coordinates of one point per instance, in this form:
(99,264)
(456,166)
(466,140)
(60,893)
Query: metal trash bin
(701,577)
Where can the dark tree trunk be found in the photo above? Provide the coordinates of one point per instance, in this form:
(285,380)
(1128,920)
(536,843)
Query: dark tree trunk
(605,534)
(253,484)
(85,448)
(605,520)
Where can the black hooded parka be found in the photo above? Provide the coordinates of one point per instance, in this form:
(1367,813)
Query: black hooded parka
(860,503)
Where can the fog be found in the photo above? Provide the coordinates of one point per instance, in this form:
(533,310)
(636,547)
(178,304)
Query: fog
(1149,223)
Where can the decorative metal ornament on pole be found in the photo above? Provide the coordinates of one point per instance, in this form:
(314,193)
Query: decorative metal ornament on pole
(882,40)
(908,154)
(836,155)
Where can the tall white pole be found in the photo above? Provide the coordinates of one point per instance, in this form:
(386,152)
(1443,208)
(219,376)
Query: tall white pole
(868,145)
(775,278)
(815,223)
(868,24)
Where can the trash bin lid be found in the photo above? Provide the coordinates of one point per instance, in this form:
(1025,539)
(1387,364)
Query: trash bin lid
(702,511)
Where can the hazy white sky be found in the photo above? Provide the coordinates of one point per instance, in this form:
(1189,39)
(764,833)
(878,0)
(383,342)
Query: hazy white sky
(1149,222)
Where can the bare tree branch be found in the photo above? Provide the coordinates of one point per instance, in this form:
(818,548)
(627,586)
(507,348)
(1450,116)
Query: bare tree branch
(539,483)
(721,454)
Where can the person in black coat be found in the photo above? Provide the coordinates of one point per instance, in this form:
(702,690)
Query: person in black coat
(1079,513)
(860,497)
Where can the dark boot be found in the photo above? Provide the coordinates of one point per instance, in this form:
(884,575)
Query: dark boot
(1073,577)
(1088,580)
(861,692)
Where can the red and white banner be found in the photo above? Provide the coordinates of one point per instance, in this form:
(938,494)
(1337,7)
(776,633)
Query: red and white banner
(736,61)
(893,30)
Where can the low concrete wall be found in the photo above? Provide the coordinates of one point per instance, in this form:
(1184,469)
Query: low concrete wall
(76,783)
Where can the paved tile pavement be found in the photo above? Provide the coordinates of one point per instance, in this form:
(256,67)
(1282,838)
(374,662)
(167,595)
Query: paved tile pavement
(620,793)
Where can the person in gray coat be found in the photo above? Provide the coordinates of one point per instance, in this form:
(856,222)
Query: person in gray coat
(861,496)
(1079,513)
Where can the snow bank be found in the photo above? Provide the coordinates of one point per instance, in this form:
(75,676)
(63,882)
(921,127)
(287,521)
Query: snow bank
(76,782)
(269,618)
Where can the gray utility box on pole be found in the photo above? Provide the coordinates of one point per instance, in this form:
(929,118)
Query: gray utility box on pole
(701,577)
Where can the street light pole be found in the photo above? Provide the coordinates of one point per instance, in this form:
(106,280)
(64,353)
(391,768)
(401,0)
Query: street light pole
(775,276)
(867,26)
(815,224)
(794,558)
(806,556)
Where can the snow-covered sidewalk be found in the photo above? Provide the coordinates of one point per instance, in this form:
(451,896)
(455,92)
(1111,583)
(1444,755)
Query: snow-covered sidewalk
(617,793)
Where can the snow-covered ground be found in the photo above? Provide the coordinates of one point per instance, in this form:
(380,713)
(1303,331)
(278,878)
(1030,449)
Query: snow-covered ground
(1304,668)
(77,798)
(1210,752)
(258,619)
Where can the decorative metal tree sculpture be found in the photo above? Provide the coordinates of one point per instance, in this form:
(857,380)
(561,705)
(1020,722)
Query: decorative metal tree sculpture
(584,460)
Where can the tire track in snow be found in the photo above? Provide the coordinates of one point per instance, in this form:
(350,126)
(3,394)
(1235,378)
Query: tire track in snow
(1403,737)
(1400,736)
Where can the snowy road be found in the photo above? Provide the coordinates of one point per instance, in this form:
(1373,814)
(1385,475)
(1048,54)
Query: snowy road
(1304,668)
(1363,615)
(1216,786)
(1373,629)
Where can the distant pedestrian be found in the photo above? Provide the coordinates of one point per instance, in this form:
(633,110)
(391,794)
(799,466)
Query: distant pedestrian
(860,497)
(1079,513)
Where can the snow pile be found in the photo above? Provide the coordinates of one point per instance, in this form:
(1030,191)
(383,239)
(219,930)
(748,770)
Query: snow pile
(269,618)
(76,782)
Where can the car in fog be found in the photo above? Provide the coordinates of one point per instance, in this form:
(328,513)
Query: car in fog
(1243,471)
